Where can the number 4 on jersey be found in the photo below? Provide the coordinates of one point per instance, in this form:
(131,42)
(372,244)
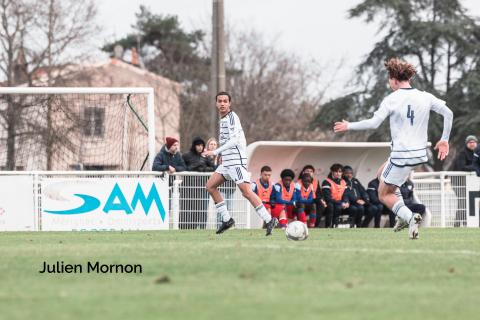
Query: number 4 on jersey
(410,114)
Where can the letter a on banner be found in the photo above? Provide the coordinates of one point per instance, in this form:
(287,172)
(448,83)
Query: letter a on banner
(122,204)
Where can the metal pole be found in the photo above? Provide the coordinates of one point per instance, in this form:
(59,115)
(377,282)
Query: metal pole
(151,128)
(442,200)
(217,72)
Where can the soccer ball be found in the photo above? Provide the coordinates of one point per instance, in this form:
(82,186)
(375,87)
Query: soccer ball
(296,231)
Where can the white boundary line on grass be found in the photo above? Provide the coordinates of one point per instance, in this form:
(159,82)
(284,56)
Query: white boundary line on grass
(356,250)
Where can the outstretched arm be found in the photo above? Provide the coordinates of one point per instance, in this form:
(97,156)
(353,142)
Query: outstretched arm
(372,123)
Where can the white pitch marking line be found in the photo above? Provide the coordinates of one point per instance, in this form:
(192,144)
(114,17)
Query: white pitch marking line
(356,250)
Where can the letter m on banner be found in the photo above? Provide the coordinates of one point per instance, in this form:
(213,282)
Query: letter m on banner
(146,202)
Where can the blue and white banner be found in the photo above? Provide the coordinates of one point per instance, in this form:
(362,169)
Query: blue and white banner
(104,204)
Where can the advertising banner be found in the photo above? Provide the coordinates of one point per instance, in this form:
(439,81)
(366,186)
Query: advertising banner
(97,203)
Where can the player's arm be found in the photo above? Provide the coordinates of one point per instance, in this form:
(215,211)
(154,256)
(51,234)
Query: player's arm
(297,195)
(327,193)
(254,188)
(363,193)
(440,107)
(235,133)
(180,164)
(275,195)
(158,164)
(372,123)
(372,193)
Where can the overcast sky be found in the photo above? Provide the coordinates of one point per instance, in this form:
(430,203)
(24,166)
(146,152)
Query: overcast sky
(310,28)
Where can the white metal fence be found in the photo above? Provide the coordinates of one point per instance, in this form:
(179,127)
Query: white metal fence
(452,198)
(443,193)
(192,207)
(445,196)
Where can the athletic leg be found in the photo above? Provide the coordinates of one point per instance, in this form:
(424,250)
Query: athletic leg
(216,179)
(391,178)
(257,203)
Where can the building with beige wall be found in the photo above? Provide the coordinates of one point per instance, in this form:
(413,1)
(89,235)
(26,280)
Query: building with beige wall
(94,131)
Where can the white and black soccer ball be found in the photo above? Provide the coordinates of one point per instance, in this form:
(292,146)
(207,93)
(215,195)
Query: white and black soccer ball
(296,231)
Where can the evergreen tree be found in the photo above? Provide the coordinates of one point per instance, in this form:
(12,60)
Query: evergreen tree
(441,39)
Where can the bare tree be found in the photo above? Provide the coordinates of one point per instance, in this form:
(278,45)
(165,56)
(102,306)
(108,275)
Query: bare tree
(275,92)
(39,40)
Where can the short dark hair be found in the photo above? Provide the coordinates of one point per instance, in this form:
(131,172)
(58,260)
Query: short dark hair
(224,93)
(335,167)
(287,173)
(306,175)
(308,166)
(265,168)
(347,168)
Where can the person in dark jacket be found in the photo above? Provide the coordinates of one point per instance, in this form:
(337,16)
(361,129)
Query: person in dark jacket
(193,196)
(375,208)
(476,160)
(333,189)
(465,158)
(194,159)
(407,194)
(358,197)
(169,158)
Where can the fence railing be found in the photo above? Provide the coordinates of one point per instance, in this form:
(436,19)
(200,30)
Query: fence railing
(445,196)
(192,207)
(451,198)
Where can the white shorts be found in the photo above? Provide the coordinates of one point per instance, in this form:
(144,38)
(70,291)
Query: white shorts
(395,175)
(238,174)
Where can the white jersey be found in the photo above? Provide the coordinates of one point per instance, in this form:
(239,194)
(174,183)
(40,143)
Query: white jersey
(409,112)
(233,145)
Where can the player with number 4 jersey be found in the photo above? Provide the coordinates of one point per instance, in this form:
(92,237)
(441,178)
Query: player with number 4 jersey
(409,111)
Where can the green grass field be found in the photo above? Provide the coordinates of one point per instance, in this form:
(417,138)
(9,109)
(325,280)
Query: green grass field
(335,274)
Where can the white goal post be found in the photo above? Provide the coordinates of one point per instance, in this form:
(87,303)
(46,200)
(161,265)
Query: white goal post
(62,91)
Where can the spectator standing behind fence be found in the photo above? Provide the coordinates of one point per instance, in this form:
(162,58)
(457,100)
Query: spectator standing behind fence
(333,189)
(465,158)
(476,160)
(169,158)
(359,198)
(407,194)
(320,203)
(465,161)
(194,198)
(375,209)
(194,159)
(212,144)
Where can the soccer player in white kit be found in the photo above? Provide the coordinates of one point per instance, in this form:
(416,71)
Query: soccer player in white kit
(409,111)
(233,151)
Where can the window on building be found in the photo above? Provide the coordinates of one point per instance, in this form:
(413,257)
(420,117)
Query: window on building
(94,122)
